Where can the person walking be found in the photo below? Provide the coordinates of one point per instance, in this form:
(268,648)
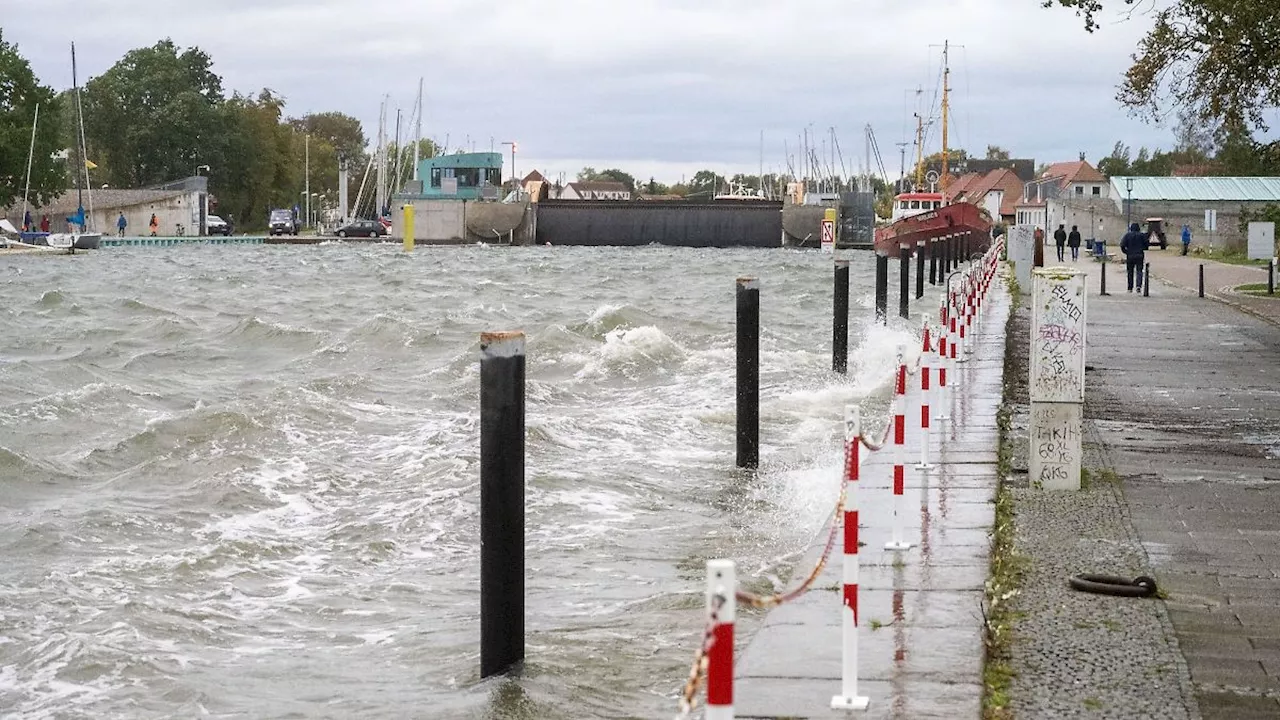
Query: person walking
(155,224)
(1134,247)
(1186,238)
(1060,239)
(44,223)
(121,224)
(1073,240)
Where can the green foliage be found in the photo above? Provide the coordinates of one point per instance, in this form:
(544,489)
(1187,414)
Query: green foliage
(1217,58)
(342,132)
(20,92)
(995,152)
(590,174)
(155,115)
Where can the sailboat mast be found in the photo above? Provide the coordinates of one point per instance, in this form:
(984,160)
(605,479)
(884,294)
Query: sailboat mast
(417,134)
(946,92)
(30,154)
(79,151)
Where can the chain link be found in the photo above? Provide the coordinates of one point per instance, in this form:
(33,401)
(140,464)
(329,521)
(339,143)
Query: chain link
(698,671)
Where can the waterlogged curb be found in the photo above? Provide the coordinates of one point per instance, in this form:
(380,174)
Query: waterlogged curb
(1073,654)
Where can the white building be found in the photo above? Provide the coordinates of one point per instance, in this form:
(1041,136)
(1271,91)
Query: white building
(599,190)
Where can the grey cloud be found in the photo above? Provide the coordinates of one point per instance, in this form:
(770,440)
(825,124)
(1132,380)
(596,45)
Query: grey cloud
(659,83)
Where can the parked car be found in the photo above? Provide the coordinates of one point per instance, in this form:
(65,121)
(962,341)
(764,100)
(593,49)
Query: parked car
(282,222)
(215,225)
(362,228)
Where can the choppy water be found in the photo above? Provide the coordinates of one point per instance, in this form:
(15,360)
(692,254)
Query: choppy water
(242,482)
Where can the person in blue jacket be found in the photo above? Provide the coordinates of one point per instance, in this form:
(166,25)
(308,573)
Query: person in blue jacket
(1134,247)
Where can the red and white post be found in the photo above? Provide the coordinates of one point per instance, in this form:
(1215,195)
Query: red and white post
(900,458)
(849,699)
(924,464)
(943,343)
(721,609)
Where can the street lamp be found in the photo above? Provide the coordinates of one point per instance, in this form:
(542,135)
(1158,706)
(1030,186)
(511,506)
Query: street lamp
(1128,211)
(515,180)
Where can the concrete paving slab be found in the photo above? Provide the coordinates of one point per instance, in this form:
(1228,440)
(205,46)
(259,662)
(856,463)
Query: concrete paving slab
(923,657)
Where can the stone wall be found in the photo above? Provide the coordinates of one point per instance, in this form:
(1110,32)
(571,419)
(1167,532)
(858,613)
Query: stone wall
(449,222)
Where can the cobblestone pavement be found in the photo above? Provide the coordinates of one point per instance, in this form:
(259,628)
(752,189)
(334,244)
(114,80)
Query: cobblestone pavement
(1078,655)
(1183,402)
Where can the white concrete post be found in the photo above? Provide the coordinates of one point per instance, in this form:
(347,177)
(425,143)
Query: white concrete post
(722,587)
(1022,254)
(1057,377)
(849,699)
(926,391)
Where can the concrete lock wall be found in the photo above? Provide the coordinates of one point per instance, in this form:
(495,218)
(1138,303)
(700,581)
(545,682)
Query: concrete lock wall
(446,222)
(727,224)
(802,225)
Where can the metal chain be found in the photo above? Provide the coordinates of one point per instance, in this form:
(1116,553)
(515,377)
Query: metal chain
(698,671)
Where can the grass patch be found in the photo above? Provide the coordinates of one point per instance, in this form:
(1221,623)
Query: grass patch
(1230,257)
(1254,289)
(1007,565)
(1093,703)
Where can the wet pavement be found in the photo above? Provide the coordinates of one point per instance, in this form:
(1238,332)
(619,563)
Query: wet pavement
(1183,401)
(920,618)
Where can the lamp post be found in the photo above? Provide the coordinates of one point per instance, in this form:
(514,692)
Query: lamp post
(203,211)
(1128,210)
(515,181)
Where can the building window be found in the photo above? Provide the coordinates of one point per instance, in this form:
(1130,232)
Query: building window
(902,205)
(1097,191)
(435,177)
(1080,190)
(915,204)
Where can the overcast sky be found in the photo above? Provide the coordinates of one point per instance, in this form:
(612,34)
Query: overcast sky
(655,87)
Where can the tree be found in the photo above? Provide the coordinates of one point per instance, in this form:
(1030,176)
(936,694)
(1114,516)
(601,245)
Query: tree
(590,174)
(20,92)
(995,152)
(705,184)
(954,155)
(257,174)
(343,132)
(154,115)
(654,187)
(1217,58)
(1118,163)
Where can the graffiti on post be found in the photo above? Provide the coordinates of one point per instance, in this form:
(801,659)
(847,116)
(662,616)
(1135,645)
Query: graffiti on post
(1058,338)
(1055,445)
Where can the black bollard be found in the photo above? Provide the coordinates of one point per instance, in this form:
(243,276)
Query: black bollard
(1146,281)
(904,283)
(748,372)
(933,262)
(1271,277)
(1104,277)
(919,271)
(954,251)
(1201,279)
(882,289)
(840,320)
(502,372)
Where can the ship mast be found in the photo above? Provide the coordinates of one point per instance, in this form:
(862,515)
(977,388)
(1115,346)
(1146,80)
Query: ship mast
(919,184)
(946,91)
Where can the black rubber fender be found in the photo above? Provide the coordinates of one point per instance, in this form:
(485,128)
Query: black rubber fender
(1141,586)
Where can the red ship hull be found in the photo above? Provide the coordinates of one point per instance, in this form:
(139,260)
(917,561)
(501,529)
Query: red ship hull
(955,219)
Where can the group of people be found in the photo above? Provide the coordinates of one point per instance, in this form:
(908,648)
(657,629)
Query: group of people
(28,224)
(1133,245)
(121,224)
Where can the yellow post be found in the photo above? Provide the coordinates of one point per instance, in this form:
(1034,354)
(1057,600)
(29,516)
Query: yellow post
(829,230)
(408,227)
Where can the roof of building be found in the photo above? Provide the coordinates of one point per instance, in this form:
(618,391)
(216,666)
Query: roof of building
(464,160)
(598,186)
(1242,189)
(1077,171)
(1004,179)
(962,183)
(108,199)
(534,176)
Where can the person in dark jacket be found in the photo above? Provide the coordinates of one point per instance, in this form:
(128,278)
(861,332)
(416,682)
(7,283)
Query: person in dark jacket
(1073,240)
(1134,247)
(1060,239)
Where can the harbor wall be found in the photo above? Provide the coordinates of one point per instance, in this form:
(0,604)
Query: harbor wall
(749,223)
